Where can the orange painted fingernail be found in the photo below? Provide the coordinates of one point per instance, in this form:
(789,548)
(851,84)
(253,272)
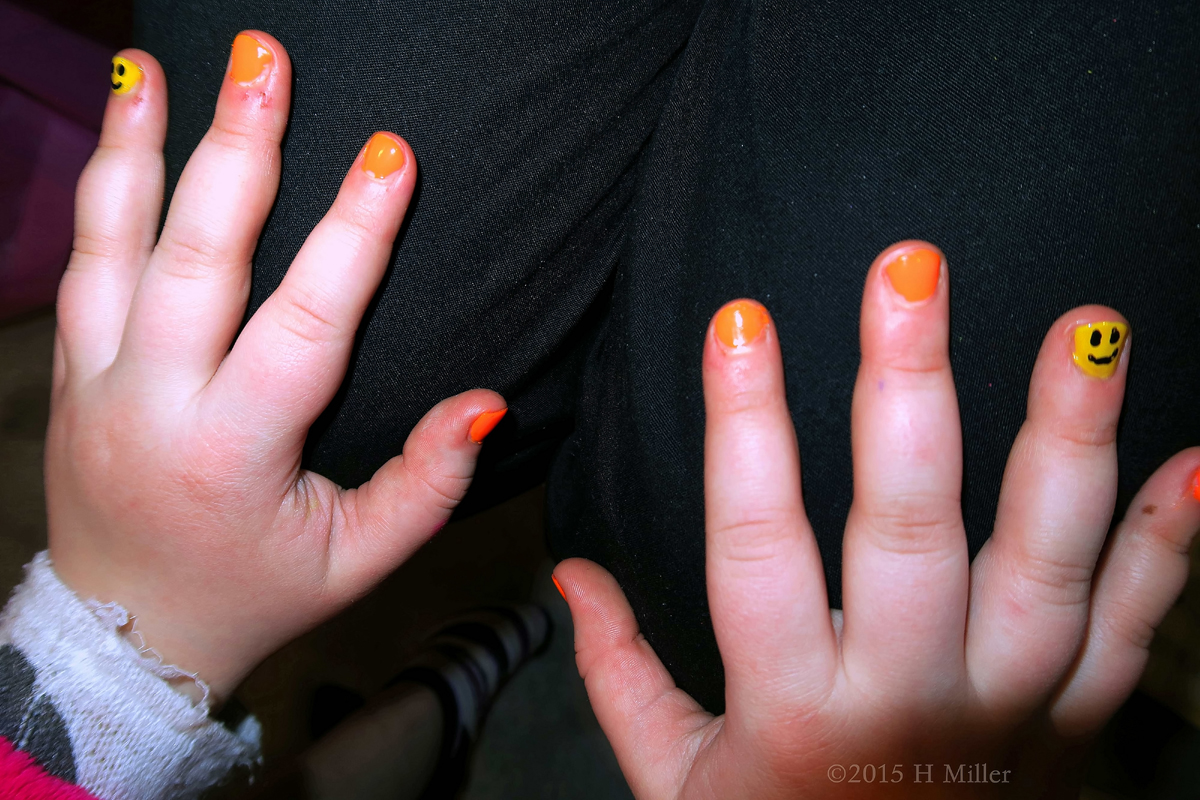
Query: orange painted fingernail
(914,273)
(251,60)
(1196,485)
(384,155)
(740,322)
(484,423)
(558,586)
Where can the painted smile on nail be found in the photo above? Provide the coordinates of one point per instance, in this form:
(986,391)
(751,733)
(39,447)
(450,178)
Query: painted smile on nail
(1106,359)
(1098,347)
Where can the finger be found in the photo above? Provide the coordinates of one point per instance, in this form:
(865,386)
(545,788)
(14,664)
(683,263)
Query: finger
(1031,582)
(1143,571)
(380,524)
(192,295)
(654,727)
(117,204)
(766,586)
(291,357)
(904,558)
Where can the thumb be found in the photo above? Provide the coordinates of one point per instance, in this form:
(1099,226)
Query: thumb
(654,727)
(412,496)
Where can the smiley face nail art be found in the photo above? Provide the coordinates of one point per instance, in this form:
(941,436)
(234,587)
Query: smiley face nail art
(124,75)
(1098,347)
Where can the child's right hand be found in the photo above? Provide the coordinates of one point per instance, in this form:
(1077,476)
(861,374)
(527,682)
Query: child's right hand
(173,477)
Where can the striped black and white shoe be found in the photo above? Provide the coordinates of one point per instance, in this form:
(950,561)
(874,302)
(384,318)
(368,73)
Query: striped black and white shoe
(465,663)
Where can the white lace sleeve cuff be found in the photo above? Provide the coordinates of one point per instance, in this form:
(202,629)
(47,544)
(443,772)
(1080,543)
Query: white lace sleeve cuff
(90,708)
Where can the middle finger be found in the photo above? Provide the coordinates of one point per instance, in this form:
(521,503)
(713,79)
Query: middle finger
(905,552)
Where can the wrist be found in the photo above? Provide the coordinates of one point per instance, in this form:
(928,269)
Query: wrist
(200,669)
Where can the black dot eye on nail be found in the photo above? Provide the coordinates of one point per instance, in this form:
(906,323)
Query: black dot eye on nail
(1116,336)
(1095,338)
(120,69)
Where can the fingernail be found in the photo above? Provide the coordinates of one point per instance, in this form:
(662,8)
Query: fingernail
(1196,485)
(484,423)
(251,60)
(384,155)
(914,273)
(558,586)
(124,75)
(1098,347)
(740,322)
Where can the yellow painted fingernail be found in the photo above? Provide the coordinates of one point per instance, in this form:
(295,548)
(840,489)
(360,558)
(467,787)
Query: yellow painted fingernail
(1098,347)
(740,322)
(251,60)
(384,155)
(124,75)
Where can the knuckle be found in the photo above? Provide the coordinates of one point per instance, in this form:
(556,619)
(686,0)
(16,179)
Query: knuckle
(752,539)
(236,132)
(914,523)
(1083,438)
(1172,540)
(744,398)
(308,317)
(191,257)
(359,222)
(1125,621)
(1053,581)
(917,362)
(95,246)
(444,491)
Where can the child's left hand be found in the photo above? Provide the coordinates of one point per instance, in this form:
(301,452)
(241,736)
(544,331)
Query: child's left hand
(173,477)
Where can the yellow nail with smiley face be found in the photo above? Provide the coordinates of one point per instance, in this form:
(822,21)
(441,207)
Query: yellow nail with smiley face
(124,75)
(1098,347)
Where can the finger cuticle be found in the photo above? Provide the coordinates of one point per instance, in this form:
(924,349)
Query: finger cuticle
(251,60)
(740,323)
(384,156)
(124,75)
(914,274)
(1098,347)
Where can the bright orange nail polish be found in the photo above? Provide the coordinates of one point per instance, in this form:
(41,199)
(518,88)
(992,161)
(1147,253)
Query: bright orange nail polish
(251,60)
(914,273)
(1196,485)
(740,322)
(384,155)
(558,586)
(484,423)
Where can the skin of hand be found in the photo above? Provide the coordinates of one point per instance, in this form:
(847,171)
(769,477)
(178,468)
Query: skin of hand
(173,478)
(935,664)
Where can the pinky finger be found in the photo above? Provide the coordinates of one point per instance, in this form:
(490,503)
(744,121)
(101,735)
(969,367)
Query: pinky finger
(1139,578)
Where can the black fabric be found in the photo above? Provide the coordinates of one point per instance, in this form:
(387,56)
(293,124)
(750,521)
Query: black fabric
(598,178)
(30,721)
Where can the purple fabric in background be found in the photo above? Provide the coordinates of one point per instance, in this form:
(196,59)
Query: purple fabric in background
(53,87)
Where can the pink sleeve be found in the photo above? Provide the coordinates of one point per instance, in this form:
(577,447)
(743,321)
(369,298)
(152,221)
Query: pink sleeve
(22,779)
